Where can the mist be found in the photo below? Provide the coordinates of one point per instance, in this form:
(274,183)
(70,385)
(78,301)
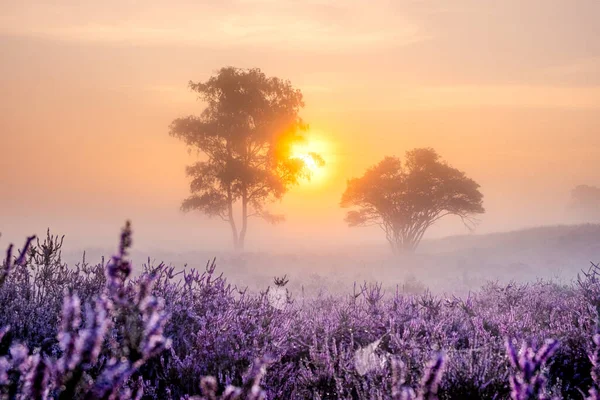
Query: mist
(316,199)
(86,114)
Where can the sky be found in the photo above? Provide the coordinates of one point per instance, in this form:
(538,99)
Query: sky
(507,91)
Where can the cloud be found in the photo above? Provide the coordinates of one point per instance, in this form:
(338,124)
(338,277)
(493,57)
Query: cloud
(287,24)
(394,97)
(508,96)
(587,66)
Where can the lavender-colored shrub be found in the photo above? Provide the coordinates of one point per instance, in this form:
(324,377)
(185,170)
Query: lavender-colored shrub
(98,332)
(99,351)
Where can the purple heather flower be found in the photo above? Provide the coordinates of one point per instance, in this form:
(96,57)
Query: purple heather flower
(90,339)
(36,381)
(528,383)
(71,318)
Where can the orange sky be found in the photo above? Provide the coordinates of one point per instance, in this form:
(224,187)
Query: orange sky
(507,91)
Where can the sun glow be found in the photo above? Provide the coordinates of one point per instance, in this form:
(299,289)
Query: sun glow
(315,152)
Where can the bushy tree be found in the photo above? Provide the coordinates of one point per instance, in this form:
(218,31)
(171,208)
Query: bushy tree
(246,132)
(585,202)
(405,200)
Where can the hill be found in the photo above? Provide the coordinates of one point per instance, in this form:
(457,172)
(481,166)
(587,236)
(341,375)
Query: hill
(457,263)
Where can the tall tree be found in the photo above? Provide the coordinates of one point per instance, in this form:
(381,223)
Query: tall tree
(585,203)
(405,200)
(246,133)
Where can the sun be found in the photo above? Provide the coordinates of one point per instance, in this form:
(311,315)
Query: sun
(309,161)
(315,153)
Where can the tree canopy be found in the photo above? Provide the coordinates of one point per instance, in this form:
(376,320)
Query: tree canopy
(246,132)
(405,200)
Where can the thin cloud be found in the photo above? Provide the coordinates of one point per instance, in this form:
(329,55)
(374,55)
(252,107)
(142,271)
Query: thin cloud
(582,66)
(509,96)
(305,25)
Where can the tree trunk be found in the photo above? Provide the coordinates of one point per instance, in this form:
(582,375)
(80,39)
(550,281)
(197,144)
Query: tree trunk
(409,246)
(392,246)
(403,245)
(242,237)
(236,241)
(231,218)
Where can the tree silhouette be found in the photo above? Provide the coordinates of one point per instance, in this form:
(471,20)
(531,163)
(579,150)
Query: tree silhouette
(585,202)
(246,133)
(404,201)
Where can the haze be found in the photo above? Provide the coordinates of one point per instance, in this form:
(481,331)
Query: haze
(507,91)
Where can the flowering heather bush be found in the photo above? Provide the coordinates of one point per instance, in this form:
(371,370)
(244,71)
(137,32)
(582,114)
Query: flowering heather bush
(528,383)
(96,331)
(96,360)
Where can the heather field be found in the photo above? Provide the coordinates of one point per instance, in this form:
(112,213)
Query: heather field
(98,331)
(332,199)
